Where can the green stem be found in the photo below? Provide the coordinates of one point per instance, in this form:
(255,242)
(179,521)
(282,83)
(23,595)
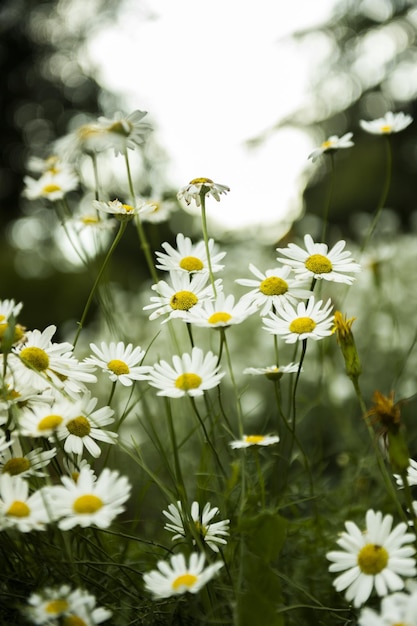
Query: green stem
(206,239)
(329,197)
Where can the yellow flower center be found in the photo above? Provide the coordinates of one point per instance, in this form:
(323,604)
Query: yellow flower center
(326,144)
(372,559)
(254,438)
(318,264)
(120,129)
(56,606)
(79,426)
(274,374)
(118,367)
(90,219)
(201,529)
(188,381)
(201,181)
(220,316)
(18,331)
(16,466)
(50,422)
(35,357)
(183,300)
(51,188)
(128,208)
(191,264)
(73,620)
(87,504)
(386,129)
(185,580)
(273,286)
(18,509)
(302,325)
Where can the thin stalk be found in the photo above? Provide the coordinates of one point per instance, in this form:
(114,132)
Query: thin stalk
(206,239)
(329,196)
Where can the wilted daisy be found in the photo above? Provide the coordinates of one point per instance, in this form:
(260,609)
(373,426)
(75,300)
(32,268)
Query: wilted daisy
(124,131)
(375,558)
(120,362)
(411,475)
(210,533)
(390,123)
(397,609)
(272,288)
(272,372)
(189,257)
(90,500)
(122,212)
(190,374)
(19,509)
(155,211)
(331,144)
(16,463)
(51,186)
(185,292)
(247,441)
(221,312)
(195,187)
(176,577)
(307,321)
(316,261)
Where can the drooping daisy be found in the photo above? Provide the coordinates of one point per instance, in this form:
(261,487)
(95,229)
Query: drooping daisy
(397,609)
(332,144)
(50,185)
(272,288)
(124,132)
(189,257)
(122,212)
(185,292)
(156,211)
(221,312)
(190,374)
(195,187)
(211,534)
(90,500)
(272,372)
(411,475)
(390,123)
(316,261)
(307,321)
(254,440)
(120,362)
(14,462)
(176,577)
(376,558)
(19,509)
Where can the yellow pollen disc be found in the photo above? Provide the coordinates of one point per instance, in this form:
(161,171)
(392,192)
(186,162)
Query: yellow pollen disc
(326,144)
(372,559)
(274,374)
(79,426)
(318,264)
(87,131)
(18,331)
(185,580)
(90,219)
(16,466)
(220,316)
(18,509)
(120,129)
(386,129)
(183,300)
(191,264)
(273,286)
(87,504)
(56,606)
(118,367)
(73,620)
(128,208)
(35,357)
(302,325)
(156,206)
(50,422)
(188,381)
(201,529)
(254,438)
(51,188)
(201,181)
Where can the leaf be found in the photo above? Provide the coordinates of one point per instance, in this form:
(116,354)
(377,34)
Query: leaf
(265,534)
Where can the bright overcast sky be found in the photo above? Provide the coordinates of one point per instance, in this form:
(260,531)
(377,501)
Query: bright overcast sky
(213,75)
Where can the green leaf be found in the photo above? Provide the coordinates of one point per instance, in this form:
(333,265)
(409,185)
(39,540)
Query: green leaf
(265,534)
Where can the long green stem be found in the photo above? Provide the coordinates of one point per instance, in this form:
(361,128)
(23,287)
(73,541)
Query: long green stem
(206,239)
(329,197)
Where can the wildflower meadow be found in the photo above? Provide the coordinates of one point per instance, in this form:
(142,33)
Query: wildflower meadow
(229,441)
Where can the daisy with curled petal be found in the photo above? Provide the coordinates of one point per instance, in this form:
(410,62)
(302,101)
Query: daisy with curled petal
(316,261)
(273,372)
(373,559)
(185,292)
(122,212)
(190,374)
(331,144)
(197,186)
(176,577)
(124,132)
(390,123)
(272,288)
(411,475)
(210,533)
(18,508)
(90,500)
(307,321)
(397,609)
(248,441)
(120,362)
(221,312)
(189,257)
(15,463)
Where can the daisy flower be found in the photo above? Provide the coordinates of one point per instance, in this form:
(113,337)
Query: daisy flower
(15,463)
(89,501)
(88,138)
(396,609)
(120,362)
(49,604)
(20,510)
(157,211)
(411,475)
(122,212)
(318,262)
(272,372)
(124,132)
(331,144)
(272,288)
(210,533)
(254,440)
(221,312)
(52,186)
(176,577)
(52,164)
(195,187)
(191,374)
(307,321)
(8,308)
(44,419)
(373,559)
(185,292)
(189,257)
(390,123)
